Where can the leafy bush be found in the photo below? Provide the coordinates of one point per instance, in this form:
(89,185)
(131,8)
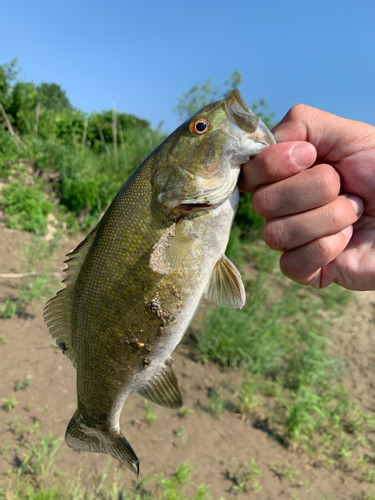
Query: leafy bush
(26,208)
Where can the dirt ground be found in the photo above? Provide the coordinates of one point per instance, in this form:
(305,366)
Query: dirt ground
(214,447)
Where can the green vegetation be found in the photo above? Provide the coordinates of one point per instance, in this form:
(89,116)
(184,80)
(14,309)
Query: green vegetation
(244,477)
(60,160)
(34,477)
(37,282)
(23,385)
(9,404)
(148,415)
(292,382)
(26,207)
(185,411)
(216,404)
(8,310)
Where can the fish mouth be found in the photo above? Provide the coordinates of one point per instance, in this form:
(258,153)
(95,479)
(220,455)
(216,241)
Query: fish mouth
(245,124)
(214,197)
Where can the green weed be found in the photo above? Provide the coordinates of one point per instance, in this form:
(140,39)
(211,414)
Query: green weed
(3,339)
(39,458)
(148,415)
(8,310)
(185,411)
(284,472)
(9,404)
(216,404)
(180,433)
(247,399)
(34,289)
(23,385)
(245,477)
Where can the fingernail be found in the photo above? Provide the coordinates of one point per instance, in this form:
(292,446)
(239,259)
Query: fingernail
(356,202)
(303,155)
(347,231)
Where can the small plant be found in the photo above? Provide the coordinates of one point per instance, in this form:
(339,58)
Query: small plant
(23,385)
(15,427)
(9,404)
(247,401)
(148,415)
(39,459)
(369,475)
(185,411)
(216,404)
(180,433)
(3,339)
(244,477)
(282,473)
(8,310)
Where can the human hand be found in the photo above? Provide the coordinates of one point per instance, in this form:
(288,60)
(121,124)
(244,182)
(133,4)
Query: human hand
(323,219)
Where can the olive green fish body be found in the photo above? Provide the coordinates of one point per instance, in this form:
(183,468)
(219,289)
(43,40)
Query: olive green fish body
(136,281)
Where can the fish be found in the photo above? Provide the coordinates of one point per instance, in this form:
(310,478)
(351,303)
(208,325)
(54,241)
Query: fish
(135,282)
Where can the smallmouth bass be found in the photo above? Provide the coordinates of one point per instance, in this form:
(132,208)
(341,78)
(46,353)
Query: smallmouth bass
(135,282)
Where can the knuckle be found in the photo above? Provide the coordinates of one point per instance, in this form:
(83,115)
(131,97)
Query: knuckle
(273,233)
(264,201)
(259,201)
(328,183)
(298,111)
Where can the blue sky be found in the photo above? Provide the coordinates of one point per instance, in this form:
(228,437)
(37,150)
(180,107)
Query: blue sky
(143,54)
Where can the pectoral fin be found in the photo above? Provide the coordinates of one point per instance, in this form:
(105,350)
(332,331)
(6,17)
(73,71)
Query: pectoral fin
(163,389)
(225,287)
(171,249)
(180,244)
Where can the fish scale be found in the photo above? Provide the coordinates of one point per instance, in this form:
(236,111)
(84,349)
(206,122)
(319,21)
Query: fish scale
(136,281)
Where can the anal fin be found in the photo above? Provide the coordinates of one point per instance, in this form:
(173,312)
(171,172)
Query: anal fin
(225,287)
(163,389)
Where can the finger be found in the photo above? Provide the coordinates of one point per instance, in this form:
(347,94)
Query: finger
(305,264)
(309,189)
(294,231)
(333,136)
(275,163)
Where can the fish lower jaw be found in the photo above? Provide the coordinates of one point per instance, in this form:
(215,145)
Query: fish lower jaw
(213,199)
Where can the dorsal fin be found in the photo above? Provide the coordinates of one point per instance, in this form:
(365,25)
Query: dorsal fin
(58,310)
(225,287)
(163,388)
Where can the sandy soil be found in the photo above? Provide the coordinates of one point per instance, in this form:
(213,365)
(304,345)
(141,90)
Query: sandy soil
(214,447)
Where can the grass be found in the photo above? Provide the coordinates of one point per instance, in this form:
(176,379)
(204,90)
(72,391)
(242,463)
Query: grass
(34,289)
(34,477)
(244,477)
(148,415)
(291,382)
(216,404)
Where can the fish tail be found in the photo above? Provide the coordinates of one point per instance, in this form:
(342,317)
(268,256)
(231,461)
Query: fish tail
(84,438)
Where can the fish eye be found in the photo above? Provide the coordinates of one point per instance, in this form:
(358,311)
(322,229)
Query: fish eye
(199,126)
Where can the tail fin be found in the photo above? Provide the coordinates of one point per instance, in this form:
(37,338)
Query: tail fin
(83,438)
